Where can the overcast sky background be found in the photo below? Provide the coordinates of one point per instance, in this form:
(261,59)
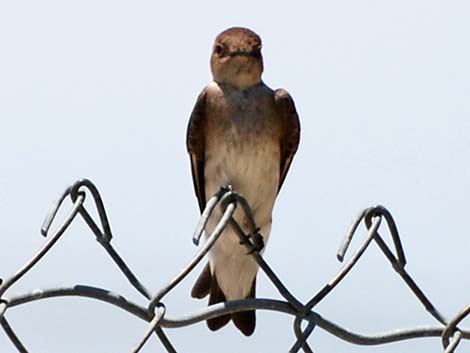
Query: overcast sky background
(103,90)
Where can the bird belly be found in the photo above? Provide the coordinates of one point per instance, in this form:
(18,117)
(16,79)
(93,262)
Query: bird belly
(252,169)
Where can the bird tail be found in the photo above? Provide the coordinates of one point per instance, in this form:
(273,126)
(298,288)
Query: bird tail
(206,284)
(245,321)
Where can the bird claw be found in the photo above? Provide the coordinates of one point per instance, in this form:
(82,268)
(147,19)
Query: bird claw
(257,241)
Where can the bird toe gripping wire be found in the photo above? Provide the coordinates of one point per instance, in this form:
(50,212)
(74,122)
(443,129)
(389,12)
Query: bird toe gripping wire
(228,200)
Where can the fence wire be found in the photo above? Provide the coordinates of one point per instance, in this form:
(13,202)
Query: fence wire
(155,313)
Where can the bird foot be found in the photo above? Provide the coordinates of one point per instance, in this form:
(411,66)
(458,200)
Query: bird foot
(226,188)
(257,241)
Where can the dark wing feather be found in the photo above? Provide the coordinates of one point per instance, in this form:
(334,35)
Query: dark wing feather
(291,131)
(195,146)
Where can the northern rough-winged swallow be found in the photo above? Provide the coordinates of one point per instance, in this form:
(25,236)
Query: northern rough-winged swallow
(243,134)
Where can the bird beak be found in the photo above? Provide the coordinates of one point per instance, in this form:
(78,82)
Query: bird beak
(244,52)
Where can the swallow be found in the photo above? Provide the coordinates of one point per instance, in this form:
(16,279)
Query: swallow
(242,134)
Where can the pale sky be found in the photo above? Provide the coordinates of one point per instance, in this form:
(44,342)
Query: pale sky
(103,90)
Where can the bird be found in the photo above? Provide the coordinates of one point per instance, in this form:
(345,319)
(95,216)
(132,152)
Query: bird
(241,134)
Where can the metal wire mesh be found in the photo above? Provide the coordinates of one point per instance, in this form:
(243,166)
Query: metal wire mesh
(228,200)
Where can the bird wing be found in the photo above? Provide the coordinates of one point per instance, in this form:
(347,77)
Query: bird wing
(195,145)
(291,131)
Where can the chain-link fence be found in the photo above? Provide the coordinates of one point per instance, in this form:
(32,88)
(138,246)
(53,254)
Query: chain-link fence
(229,200)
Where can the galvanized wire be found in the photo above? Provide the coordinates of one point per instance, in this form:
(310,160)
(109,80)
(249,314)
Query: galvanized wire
(155,312)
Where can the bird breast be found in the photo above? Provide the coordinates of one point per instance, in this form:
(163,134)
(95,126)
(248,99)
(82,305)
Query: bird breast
(248,159)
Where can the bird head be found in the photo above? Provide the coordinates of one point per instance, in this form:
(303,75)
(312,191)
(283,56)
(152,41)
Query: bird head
(236,58)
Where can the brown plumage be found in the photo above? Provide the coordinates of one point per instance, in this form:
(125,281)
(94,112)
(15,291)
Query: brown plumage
(244,134)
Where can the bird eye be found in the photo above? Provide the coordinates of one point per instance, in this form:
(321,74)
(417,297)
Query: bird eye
(218,49)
